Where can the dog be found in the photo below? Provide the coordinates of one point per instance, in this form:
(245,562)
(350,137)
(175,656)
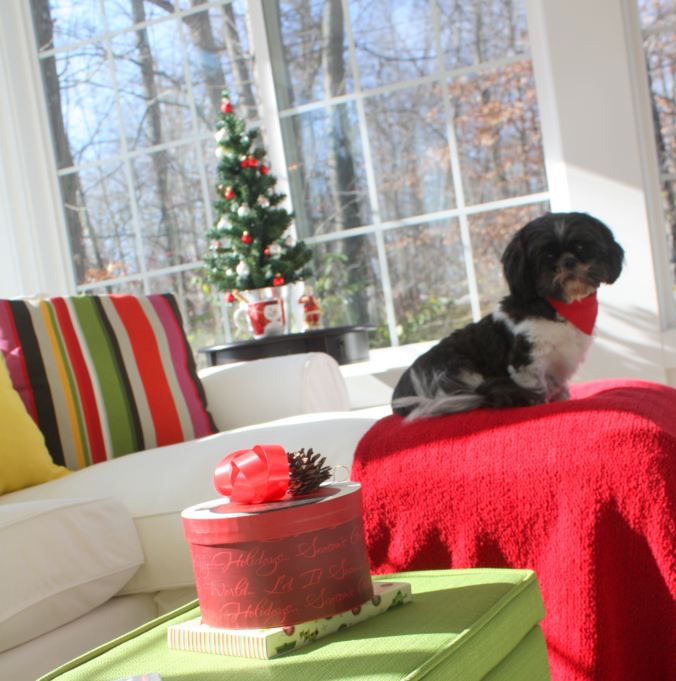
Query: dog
(526,350)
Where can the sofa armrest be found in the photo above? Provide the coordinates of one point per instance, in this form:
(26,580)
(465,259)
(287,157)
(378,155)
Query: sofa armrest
(263,390)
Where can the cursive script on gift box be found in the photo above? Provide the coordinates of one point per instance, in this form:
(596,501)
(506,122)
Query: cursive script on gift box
(324,599)
(264,564)
(220,589)
(342,570)
(315,547)
(264,610)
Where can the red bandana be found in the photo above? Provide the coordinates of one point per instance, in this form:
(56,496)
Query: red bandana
(580,313)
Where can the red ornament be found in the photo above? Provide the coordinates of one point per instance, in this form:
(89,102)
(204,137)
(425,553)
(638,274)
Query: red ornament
(253,161)
(226,107)
(277,280)
(246,238)
(266,251)
(264,170)
(229,297)
(229,193)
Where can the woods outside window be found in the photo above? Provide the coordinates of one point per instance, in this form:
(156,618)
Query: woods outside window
(411,136)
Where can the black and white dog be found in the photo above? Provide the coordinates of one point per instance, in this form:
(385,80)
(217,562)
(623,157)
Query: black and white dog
(527,349)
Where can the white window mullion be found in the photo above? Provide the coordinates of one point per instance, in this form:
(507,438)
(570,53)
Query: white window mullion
(269,111)
(388,298)
(126,160)
(465,236)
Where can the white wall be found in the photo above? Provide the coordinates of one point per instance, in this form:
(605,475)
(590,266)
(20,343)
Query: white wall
(598,139)
(32,234)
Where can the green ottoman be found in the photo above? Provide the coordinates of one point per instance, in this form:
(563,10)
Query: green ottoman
(463,625)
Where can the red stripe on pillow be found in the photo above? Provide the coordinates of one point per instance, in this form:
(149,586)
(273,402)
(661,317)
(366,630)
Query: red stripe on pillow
(90,410)
(182,361)
(146,352)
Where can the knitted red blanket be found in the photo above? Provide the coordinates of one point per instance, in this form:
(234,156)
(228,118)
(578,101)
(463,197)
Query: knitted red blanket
(583,492)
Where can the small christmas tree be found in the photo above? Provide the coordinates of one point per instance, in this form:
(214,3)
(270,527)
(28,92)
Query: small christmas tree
(250,247)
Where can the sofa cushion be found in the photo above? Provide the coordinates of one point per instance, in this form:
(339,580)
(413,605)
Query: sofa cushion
(61,558)
(25,460)
(104,376)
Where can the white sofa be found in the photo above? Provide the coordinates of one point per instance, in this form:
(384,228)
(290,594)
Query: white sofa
(100,551)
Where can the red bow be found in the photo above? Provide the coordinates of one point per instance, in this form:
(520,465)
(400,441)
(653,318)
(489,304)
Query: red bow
(253,476)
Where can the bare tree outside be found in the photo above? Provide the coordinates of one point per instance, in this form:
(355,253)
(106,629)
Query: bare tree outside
(404,122)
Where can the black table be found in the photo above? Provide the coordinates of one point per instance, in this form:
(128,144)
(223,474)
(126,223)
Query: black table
(346,344)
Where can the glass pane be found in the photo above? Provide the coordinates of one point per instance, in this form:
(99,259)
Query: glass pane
(480,31)
(98,217)
(309,46)
(81,105)
(656,12)
(202,319)
(59,23)
(429,280)
(347,283)
(393,40)
(660,49)
(490,233)
(669,204)
(171,207)
(497,127)
(326,170)
(150,77)
(219,55)
(123,13)
(407,135)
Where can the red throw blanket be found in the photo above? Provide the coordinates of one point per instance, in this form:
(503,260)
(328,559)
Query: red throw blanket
(583,492)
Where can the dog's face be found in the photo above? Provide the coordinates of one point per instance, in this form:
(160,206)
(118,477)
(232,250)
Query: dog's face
(565,256)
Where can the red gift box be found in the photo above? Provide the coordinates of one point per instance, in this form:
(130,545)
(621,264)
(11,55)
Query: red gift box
(279,563)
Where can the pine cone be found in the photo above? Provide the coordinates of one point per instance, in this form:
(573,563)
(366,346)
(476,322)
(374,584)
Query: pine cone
(306,471)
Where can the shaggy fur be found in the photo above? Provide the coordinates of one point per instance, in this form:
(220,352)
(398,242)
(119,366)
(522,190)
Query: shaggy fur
(523,353)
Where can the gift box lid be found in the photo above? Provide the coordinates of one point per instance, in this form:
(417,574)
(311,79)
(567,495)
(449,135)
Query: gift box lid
(221,521)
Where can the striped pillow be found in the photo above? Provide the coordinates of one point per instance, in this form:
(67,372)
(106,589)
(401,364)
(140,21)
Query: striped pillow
(104,376)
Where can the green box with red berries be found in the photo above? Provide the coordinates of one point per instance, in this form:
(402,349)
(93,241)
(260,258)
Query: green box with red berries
(195,636)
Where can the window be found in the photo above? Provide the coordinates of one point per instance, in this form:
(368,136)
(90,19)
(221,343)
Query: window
(411,136)
(414,150)
(658,20)
(133,89)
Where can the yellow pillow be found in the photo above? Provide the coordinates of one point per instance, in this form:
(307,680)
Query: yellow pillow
(24,459)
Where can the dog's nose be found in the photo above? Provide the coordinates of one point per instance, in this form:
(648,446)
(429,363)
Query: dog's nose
(569,262)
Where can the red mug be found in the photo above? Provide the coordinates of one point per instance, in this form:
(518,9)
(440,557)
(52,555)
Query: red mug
(262,317)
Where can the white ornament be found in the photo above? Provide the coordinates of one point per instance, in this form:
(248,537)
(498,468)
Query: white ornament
(242,269)
(275,249)
(243,210)
(263,201)
(222,224)
(219,151)
(220,135)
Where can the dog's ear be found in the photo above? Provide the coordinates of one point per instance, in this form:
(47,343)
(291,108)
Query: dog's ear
(614,254)
(615,260)
(515,268)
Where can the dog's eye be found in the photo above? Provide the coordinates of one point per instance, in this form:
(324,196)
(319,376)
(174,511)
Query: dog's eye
(580,249)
